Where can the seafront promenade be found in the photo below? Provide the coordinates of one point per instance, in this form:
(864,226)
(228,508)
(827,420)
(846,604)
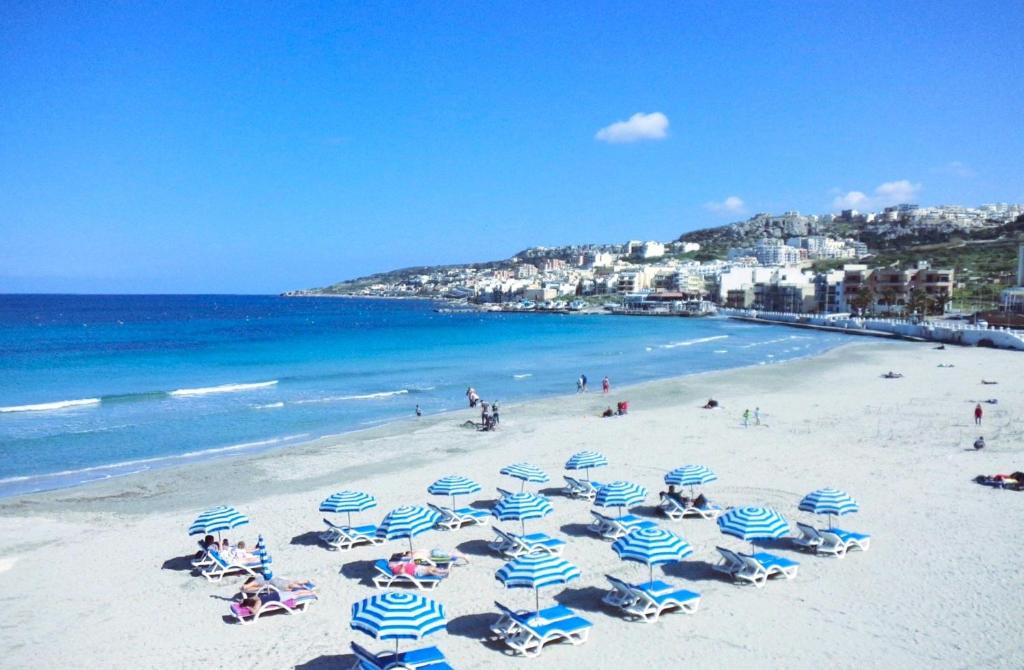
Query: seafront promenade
(942,332)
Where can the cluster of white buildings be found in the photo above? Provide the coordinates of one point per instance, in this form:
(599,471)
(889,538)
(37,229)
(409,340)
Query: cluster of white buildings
(775,251)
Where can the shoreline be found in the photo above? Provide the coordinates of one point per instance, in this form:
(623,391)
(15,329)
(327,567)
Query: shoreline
(271,445)
(313,448)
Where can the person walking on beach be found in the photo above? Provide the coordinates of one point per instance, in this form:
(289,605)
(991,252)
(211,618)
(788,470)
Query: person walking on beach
(579,384)
(419,412)
(746,418)
(583,378)
(494,412)
(757,416)
(606,385)
(977,414)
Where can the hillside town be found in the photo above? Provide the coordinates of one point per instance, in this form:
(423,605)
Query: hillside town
(788,263)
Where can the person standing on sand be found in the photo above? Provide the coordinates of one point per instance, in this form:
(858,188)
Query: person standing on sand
(746,418)
(494,413)
(419,412)
(757,416)
(606,385)
(977,414)
(579,384)
(583,378)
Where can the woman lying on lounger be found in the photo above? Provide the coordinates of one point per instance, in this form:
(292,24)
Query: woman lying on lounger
(254,584)
(254,603)
(407,564)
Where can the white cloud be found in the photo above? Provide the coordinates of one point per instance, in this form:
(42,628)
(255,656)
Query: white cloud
(640,126)
(731,205)
(889,193)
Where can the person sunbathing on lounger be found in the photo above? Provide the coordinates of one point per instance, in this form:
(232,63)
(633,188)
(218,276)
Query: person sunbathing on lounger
(254,603)
(254,584)
(408,566)
(674,495)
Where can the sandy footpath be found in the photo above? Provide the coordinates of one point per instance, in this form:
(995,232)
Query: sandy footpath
(97,576)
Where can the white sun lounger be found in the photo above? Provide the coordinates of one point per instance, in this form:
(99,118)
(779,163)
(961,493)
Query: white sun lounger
(612,528)
(222,567)
(385,578)
(812,540)
(584,489)
(508,623)
(849,539)
(737,568)
(427,658)
(648,601)
(532,634)
(290,603)
(675,510)
(344,538)
(513,546)
(453,519)
(755,568)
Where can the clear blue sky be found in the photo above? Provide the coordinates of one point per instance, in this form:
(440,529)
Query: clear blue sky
(267,146)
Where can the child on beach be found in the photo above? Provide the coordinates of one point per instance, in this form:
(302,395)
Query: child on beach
(606,385)
(977,414)
(746,418)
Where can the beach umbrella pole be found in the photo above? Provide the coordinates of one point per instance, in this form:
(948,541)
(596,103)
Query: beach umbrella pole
(536,599)
(349,519)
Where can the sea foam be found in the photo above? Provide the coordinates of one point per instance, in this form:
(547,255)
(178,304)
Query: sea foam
(49,406)
(223,388)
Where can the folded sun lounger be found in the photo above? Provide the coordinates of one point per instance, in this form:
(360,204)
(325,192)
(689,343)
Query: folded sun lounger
(580,488)
(508,622)
(344,538)
(453,519)
(612,528)
(812,540)
(385,578)
(755,568)
(513,546)
(428,658)
(850,539)
(648,601)
(532,634)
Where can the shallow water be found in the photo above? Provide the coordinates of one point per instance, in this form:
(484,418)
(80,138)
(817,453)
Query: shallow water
(100,386)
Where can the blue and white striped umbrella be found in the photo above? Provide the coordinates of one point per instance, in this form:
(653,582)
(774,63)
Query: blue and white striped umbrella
(535,571)
(653,546)
(348,502)
(829,501)
(620,494)
(407,521)
(525,472)
(265,560)
(584,460)
(396,615)
(690,475)
(753,523)
(216,520)
(522,506)
(453,485)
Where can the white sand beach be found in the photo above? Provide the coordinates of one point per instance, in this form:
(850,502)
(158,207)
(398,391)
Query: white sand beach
(97,576)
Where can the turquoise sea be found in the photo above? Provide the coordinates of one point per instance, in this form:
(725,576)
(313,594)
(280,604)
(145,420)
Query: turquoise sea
(93,387)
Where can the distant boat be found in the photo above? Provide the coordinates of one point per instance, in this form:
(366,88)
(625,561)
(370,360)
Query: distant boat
(576,305)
